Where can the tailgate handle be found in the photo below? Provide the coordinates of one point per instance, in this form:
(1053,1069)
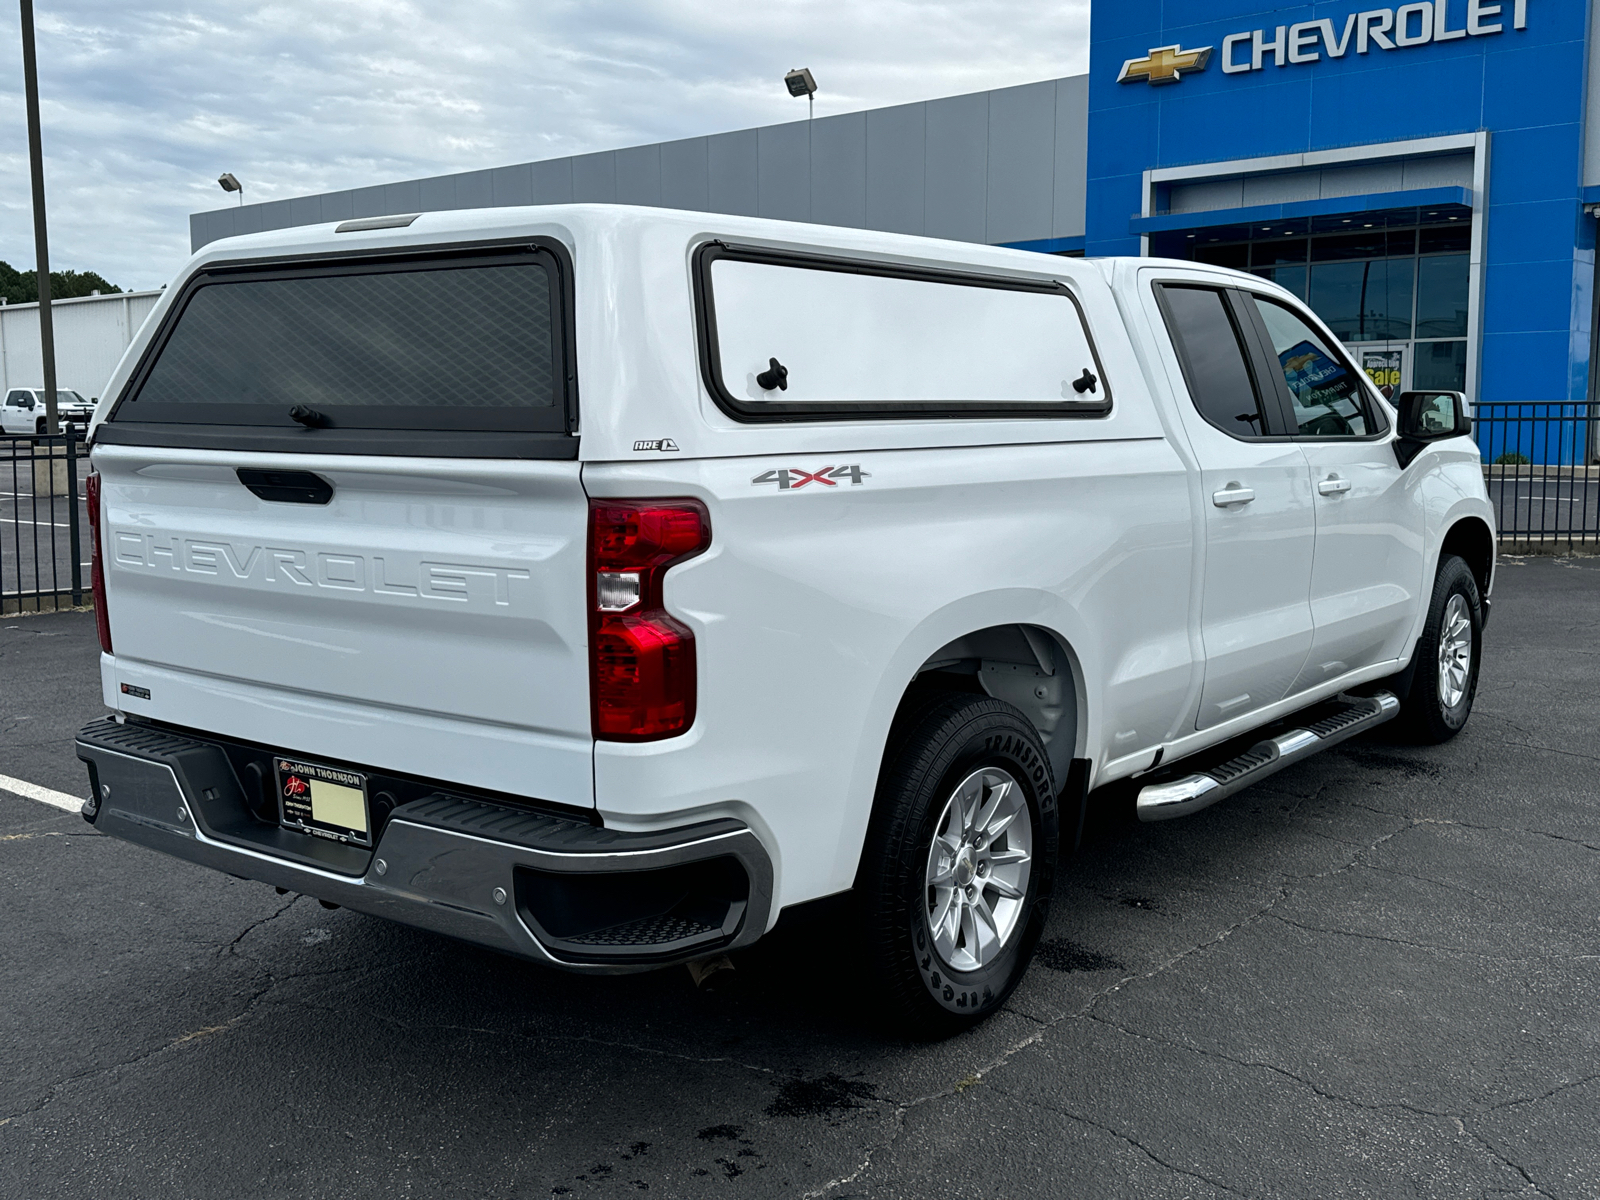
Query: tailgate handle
(287,487)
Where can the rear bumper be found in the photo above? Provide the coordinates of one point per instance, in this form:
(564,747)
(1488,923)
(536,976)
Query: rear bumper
(547,888)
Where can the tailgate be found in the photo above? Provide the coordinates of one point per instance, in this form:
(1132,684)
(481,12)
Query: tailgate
(428,619)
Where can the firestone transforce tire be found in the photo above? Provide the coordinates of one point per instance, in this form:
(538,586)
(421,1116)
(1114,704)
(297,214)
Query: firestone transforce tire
(959,862)
(1445,680)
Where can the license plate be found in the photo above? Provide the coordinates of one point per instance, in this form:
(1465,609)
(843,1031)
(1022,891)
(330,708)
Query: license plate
(326,802)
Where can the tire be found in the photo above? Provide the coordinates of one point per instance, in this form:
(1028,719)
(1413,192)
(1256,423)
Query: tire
(1439,699)
(954,757)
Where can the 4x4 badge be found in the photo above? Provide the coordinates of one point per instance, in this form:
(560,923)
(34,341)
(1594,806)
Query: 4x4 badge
(791,478)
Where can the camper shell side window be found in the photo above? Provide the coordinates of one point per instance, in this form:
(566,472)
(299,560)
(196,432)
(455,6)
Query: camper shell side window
(792,337)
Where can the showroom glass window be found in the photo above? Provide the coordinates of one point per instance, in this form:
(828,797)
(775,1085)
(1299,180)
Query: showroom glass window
(1393,286)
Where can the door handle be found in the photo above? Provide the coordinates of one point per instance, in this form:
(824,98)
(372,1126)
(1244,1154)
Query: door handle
(1232,494)
(1333,486)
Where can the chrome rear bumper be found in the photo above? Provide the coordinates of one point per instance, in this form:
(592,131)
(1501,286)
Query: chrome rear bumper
(549,888)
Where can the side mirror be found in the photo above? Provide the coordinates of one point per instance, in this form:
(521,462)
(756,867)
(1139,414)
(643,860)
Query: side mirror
(1428,417)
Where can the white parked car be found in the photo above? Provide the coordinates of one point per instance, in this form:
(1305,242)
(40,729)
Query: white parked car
(23,410)
(759,562)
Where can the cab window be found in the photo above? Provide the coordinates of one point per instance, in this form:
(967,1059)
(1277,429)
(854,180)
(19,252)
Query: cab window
(1212,355)
(1325,389)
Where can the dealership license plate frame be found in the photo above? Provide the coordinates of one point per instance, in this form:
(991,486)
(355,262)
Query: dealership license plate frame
(297,807)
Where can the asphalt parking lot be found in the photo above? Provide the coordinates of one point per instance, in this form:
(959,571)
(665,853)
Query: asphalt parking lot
(1377,974)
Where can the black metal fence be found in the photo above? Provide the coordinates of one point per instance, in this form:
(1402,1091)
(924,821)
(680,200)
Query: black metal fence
(1539,464)
(44,538)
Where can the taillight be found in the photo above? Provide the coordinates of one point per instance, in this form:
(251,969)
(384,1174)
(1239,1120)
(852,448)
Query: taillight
(641,659)
(97,571)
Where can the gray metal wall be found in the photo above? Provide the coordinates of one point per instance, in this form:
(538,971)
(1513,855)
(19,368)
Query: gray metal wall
(999,167)
(91,334)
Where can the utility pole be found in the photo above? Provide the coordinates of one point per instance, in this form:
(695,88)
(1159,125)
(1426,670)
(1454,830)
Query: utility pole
(41,240)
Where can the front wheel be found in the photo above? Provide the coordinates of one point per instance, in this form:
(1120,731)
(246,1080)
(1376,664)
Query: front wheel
(959,863)
(1445,679)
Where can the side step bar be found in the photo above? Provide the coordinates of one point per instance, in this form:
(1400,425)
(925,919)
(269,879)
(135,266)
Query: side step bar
(1180,797)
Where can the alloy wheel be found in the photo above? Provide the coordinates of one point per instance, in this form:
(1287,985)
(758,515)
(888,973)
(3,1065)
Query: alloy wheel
(1455,651)
(978,869)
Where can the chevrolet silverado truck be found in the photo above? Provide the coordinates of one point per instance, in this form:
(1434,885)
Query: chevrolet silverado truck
(23,410)
(594,583)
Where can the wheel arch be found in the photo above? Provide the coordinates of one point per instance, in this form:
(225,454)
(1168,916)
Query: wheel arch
(947,635)
(1471,540)
(1026,665)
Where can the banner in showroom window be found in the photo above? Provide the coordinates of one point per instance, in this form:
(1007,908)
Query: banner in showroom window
(1383,368)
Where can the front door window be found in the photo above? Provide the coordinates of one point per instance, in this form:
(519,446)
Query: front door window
(1326,390)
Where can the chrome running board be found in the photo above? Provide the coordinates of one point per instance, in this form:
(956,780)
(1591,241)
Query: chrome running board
(1180,797)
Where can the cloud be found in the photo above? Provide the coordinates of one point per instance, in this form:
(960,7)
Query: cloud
(144,106)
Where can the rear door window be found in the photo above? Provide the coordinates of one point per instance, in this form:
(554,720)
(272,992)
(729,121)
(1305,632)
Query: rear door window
(1213,358)
(790,336)
(443,344)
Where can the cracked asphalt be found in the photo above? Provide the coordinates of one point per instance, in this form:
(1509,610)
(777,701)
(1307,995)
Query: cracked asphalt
(1377,974)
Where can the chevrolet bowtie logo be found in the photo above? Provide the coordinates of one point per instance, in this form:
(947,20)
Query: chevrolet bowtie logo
(1164,64)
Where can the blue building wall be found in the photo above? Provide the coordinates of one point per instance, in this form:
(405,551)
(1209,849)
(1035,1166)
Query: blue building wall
(1525,87)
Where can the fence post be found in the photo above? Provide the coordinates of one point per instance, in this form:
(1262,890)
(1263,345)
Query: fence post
(72,514)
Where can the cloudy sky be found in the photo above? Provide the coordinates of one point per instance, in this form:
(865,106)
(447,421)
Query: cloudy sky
(144,104)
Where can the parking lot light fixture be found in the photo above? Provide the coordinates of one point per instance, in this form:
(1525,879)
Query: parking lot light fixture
(229,182)
(800,83)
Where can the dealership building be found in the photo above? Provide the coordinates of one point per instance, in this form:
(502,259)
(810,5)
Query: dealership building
(1425,176)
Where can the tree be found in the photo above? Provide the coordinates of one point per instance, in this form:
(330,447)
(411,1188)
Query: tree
(22,287)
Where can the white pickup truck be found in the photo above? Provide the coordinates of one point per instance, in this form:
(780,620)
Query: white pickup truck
(593,583)
(23,410)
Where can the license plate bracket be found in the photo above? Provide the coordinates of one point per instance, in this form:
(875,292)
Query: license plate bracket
(323,801)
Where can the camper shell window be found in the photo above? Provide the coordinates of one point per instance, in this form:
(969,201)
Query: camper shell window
(786,337)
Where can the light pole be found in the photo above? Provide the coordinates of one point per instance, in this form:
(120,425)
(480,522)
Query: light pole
(229,182)
(800,83)
(41,240)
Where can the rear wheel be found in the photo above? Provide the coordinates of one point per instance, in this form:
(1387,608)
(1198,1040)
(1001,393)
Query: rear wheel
(960,859)
(1445,679)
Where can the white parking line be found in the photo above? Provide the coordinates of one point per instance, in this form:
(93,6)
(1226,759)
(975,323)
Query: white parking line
(32,791)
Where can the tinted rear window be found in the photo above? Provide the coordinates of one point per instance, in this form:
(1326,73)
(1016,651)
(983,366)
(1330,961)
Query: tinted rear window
(1213,360)
(475,344)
